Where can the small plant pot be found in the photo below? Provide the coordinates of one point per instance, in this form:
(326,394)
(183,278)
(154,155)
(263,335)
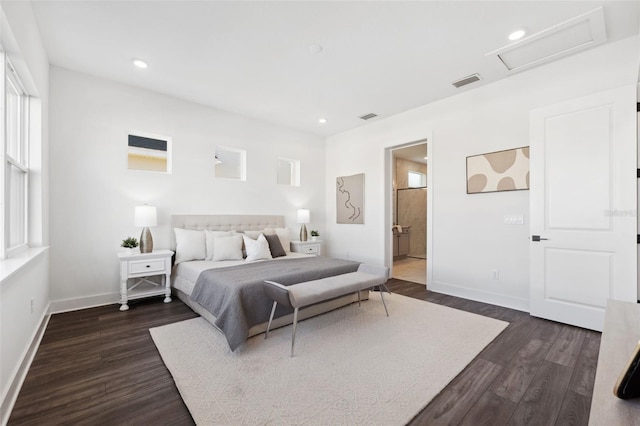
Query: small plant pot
(314,238)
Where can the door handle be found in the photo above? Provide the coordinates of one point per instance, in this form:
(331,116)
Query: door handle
(538,238)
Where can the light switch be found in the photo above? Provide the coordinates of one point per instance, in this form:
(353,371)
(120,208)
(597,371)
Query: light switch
(514,219)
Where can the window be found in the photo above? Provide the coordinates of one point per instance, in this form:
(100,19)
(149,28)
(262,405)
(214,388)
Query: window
(288,172)
(16,167)
(149,152)
(230,163)
(417,180)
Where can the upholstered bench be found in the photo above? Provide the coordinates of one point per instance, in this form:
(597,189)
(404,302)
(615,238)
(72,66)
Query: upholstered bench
(307,293)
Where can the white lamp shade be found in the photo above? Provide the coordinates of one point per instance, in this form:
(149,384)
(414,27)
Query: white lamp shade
(303,216)
(146,216)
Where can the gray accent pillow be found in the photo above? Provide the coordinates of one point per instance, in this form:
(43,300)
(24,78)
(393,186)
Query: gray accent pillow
(275,246)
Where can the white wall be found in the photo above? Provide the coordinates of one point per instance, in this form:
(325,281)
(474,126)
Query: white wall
(19,323)
(469,237)
(93,195)
(20,326)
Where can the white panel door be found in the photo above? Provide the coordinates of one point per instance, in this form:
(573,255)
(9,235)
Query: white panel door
(583,207)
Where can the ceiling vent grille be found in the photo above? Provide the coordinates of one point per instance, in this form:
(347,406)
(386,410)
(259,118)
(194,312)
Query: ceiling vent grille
(467,80)
(571,36)
(368,116)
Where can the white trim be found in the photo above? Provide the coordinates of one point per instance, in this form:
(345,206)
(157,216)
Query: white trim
(430,188)
(76,304)
(388,184)
(10,266)
(20,373)
(21,161)
(519,304)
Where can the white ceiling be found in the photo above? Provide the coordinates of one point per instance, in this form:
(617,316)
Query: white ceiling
(254,58)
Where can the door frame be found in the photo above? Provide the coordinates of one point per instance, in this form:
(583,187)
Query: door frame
(388,197)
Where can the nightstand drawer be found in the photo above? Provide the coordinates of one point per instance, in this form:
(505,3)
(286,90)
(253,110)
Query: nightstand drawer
(146,266)
(310,249)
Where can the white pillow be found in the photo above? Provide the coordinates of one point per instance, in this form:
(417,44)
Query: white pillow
(209,236)
(227,247)
(257,249)
(285,238)
(253,234)
(189,245)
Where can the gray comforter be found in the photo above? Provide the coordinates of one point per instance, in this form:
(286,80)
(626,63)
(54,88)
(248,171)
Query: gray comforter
(236,297)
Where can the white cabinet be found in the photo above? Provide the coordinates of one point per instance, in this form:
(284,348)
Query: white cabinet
(308,247)
(401,242)
(140,266)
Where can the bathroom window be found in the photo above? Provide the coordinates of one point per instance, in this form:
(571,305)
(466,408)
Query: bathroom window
(417,180)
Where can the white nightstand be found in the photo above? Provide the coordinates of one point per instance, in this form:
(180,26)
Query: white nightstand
(140,266)
(308,247)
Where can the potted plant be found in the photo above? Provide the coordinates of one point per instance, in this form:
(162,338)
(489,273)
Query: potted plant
(129,244)
(314,235)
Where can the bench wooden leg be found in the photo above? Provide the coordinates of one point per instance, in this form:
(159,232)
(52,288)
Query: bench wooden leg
(273,311)
(295,325)
(359,303)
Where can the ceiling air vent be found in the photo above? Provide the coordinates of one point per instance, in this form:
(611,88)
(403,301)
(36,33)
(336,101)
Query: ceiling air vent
(467,80)
(579,33)
(368,116)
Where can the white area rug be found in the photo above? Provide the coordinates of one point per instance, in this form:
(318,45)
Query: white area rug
(351,366)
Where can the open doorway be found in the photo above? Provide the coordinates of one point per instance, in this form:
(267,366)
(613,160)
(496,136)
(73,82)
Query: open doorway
(409,212)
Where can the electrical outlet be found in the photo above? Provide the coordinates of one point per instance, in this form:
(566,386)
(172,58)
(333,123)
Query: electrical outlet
(495,274)
(33,304)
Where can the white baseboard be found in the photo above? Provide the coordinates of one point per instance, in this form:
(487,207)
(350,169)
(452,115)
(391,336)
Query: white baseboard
(66,305)
(480,296)
(11,396)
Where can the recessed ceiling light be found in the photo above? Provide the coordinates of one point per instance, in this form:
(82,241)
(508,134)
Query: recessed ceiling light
(139,63)
(516,35)
(315,48)
(322,120)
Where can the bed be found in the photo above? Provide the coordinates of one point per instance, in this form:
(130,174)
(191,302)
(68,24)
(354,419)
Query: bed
(227,290)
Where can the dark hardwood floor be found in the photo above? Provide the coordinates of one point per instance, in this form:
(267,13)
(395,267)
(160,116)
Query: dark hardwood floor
(537,372)
(99,366)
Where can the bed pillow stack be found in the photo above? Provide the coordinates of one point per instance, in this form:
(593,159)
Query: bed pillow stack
(227,247)
(200,245)
(283,235)
(257,249)
(275,246)
(190,245)
(230,245)
(210,236)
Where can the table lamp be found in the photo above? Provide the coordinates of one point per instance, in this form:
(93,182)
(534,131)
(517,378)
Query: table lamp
(303,218)
(146,216)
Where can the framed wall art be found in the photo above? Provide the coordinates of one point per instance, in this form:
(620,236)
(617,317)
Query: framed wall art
(350,199)
(506,170)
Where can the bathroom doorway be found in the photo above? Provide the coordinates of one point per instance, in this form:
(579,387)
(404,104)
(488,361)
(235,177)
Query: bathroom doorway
(409,229)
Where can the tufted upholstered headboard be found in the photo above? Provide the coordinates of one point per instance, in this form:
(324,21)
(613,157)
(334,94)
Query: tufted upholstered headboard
(238,223)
